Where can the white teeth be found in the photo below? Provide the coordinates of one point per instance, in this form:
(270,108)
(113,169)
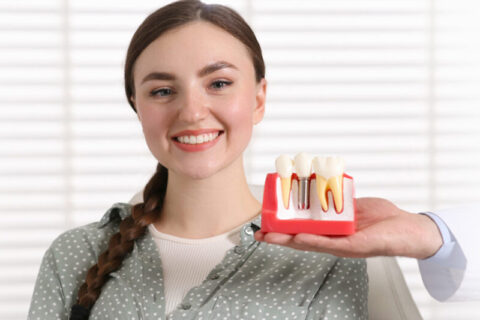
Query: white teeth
(284,166)
(328,167)
(329,176)
(198,139)
(303,165)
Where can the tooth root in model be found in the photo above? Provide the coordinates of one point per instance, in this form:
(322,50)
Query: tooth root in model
(303,167)
(329,176)
(322,191)
(284,167)
(335,184)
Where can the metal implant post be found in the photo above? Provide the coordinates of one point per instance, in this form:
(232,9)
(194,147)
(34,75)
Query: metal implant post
(303,193)
(303,166)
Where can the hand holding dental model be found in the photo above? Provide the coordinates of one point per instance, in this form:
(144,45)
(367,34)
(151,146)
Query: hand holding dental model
(318,203)
(382,229)
(304,218)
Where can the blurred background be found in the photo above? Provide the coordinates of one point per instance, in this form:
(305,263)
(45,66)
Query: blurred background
(393,86)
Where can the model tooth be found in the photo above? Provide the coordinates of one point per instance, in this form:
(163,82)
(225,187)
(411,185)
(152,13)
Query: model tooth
(284,166)
(319,166)
(303,165)
(335,182)
(329,176)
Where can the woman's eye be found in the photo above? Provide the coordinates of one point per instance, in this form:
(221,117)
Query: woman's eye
(163,92)
(219,84)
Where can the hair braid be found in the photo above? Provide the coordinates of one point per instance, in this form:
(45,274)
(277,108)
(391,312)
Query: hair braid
(121,243)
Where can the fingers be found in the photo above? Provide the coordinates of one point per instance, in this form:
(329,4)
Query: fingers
(273,237)
(339,246)
(303,239)
(333,245)
(258,235)
(307,242)
(278,238)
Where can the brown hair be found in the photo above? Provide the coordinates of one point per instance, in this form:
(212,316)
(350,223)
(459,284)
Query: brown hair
(147,212)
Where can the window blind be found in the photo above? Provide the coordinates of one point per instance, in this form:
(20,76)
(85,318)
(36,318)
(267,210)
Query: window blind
(390,85)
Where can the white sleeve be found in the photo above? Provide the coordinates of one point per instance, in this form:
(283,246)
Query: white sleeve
(453,273)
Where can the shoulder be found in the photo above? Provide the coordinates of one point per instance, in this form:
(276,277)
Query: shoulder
(71,254)
(90,240)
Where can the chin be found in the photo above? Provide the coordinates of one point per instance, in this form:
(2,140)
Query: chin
(198,173)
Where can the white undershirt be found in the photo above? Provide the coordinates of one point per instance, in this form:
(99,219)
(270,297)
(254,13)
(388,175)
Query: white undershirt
(187,262)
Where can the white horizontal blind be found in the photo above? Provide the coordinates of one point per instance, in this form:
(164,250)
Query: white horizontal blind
(392,86)
(387,84)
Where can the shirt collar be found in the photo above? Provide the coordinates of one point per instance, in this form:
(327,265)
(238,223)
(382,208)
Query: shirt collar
(257,221)
(248,229)
(118,211)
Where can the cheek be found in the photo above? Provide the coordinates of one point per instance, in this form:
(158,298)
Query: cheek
(239,115)
(154,121)
(238,120)
(240,109)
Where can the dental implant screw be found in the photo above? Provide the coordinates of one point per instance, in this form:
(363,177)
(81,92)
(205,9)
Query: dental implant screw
(303,193)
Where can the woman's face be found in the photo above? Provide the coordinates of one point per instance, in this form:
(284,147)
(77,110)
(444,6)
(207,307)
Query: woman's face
(198,81)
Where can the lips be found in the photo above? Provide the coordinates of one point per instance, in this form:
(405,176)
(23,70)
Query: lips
(207,139)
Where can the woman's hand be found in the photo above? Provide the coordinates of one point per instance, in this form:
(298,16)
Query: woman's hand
(382,229)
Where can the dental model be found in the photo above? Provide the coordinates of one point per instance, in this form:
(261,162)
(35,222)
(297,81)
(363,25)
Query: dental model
(325,206)
(284,166)
(329,176)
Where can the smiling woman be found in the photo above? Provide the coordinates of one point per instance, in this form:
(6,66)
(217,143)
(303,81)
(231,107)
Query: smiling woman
(208,84)
(195,76)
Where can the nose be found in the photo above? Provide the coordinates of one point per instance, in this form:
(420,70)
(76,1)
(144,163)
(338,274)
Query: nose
(193,108)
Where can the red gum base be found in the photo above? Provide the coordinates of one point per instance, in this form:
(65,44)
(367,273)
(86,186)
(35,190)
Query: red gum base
(270,222)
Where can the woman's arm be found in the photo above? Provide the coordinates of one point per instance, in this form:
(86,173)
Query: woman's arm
(48,299)
(63,269)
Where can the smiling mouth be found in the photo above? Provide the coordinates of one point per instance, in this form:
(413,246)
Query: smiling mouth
(198,139)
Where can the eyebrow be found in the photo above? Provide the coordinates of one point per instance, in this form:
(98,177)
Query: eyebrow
(210,68)
(214,67)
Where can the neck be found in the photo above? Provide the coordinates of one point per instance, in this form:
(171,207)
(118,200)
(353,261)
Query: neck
(201,208)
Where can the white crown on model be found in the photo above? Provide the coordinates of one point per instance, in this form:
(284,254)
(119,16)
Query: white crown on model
(328,173)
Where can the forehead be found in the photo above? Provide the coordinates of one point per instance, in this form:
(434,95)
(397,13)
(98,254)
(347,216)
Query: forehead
(193,45)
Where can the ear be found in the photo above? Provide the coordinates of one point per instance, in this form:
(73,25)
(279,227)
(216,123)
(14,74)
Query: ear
(260,98)
(132,99)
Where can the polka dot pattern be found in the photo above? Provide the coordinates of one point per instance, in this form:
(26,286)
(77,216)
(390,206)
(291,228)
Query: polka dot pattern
(254,280)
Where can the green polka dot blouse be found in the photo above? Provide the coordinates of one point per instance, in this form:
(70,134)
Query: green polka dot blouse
(255,280)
